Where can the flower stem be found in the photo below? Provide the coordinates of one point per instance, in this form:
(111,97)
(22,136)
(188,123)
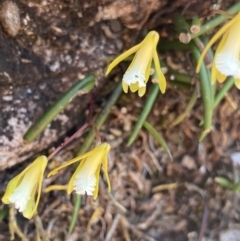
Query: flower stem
(144,114)
(204,40)
(182,28)
(77,133)
(216,21)
(96,132)
(201,46)
(228,84)
(172,45)
(91,106)
(189,106)
(179,77)
(206,93)
(13,226)
(195,25)
(101,118)
(158,137)
(40,230)
(180,85)
(77,204)
(3,213)
(81,87)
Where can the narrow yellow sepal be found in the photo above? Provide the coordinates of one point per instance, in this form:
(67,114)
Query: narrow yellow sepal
(22,189)
(138,72)
(214,39)
(85,179)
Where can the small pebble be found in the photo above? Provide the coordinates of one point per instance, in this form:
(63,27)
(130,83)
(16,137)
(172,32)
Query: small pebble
(188,162)
(230,235)
(10,18)
(7,98)
(115,132)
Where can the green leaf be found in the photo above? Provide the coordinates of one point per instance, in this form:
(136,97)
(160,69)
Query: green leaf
(3,213)
(158,137)
(144,114)
(224,182)
(81,87)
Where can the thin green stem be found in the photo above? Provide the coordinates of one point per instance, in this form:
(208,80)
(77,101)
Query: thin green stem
(77,204)
(158,138)
(40,229)
(195,25)
(89,140)
(210,53)
(228,84)
(77,133)
(180,85)
(189,107)
(182,28)
(81,87)
(145,112)
(101,118)
(3,213)
(206,93)
(179,77)
(171,45)
(216,21)
(201,46)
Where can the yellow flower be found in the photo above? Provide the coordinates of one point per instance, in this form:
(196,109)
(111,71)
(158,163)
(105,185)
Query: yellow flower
(21,189)
(86,177)
(138,71)
(227,57)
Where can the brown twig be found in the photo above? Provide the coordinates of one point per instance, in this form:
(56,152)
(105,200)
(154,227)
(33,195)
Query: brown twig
(204,223)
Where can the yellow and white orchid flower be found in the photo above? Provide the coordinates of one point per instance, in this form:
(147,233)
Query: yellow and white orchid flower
(86,177)
(138,71)
(22,189)
(227,56)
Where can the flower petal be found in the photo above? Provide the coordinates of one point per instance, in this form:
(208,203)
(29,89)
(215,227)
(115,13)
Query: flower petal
(30,207)
(141,91)
(227,58)
(11,187)
(237,83)
(125,87)
(14,183)
(40,184)
(139,69)
(105,169)
(148,70)
(161,77)
(78,158)
(122,57)
(84,183)
(215,38)
(70,184)
(23,194)
(97,174)
(215,74)
(220,77)
(134,87)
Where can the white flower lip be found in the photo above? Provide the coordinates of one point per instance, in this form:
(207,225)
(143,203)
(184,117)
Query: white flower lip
(84,184)
(228,64)
(85,179)
(22,193)
(227,59)
(138,72)
(132,76)
(24,190)
(227,55)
